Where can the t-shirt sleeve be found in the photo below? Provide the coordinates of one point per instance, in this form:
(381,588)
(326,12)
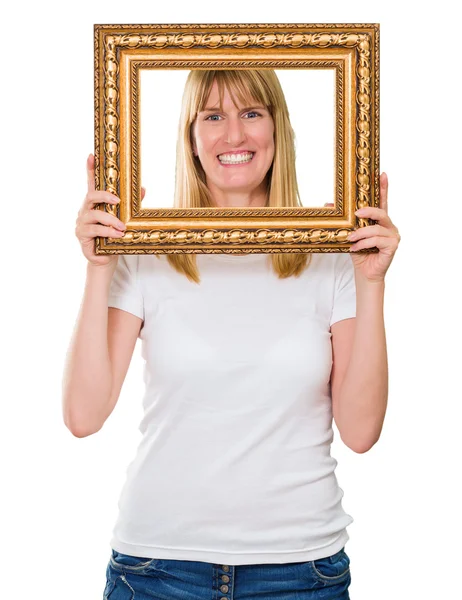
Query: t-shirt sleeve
(344,305)
(125,291)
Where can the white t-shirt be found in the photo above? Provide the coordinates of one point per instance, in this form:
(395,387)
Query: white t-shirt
(234,465)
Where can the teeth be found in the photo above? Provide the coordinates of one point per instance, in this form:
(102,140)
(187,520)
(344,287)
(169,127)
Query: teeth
(235,158)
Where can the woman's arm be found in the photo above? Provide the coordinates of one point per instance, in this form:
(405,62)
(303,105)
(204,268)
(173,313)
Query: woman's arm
(359,381)
(360,386)
(87,378)
(99,356)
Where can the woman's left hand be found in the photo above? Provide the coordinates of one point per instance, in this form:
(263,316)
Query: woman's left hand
(384,236)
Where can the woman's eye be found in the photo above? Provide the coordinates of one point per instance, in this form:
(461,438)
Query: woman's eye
(211,117)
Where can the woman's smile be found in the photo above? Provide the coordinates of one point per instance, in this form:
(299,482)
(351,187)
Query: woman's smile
(235,159)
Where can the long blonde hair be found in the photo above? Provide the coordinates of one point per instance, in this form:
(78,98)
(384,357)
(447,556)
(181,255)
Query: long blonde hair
(191,191)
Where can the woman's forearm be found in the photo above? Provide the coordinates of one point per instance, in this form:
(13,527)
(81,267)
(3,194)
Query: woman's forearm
(87,379)
(364,390)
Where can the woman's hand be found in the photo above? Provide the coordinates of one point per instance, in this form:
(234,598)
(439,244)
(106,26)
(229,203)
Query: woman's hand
(91,223)
(384,236)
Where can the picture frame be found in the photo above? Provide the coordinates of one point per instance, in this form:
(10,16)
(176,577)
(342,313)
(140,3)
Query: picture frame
(124,54)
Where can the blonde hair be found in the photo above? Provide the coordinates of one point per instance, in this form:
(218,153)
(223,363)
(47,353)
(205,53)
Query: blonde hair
(191,191)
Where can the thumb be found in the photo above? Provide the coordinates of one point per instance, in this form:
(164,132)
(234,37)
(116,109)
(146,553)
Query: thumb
(91,173)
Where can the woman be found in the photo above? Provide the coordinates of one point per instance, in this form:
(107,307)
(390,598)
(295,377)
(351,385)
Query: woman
(232,493)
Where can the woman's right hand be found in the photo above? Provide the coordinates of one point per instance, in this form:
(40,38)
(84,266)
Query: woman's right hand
(92,223)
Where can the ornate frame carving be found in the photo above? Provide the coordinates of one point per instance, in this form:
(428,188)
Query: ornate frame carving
(122,50)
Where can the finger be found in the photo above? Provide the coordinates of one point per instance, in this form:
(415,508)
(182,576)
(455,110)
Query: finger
(99,196)
(91,173)
(376,241)
(369,231)
(94,230)
(329,204)
(99,216)
(384,192)
(378,214)
(143,192)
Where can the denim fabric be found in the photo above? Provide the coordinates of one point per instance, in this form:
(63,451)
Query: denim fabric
(138,578)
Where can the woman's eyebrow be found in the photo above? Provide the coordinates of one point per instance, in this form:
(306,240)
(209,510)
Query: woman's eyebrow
(242,109)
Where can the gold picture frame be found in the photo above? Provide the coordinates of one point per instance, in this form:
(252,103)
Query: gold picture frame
(121,52)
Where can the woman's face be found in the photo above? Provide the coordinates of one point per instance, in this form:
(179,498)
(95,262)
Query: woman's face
(236,146)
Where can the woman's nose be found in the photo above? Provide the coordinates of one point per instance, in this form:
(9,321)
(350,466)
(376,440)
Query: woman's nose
(235,132)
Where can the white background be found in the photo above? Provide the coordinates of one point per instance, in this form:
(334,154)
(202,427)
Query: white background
(59,493)
(312,114)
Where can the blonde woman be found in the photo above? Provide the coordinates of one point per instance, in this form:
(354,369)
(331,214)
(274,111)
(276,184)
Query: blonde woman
(232,494)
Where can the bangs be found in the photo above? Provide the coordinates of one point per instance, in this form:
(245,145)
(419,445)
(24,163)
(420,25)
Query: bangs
(244,87)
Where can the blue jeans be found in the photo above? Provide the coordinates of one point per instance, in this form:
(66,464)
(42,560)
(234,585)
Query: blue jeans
(138,578)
